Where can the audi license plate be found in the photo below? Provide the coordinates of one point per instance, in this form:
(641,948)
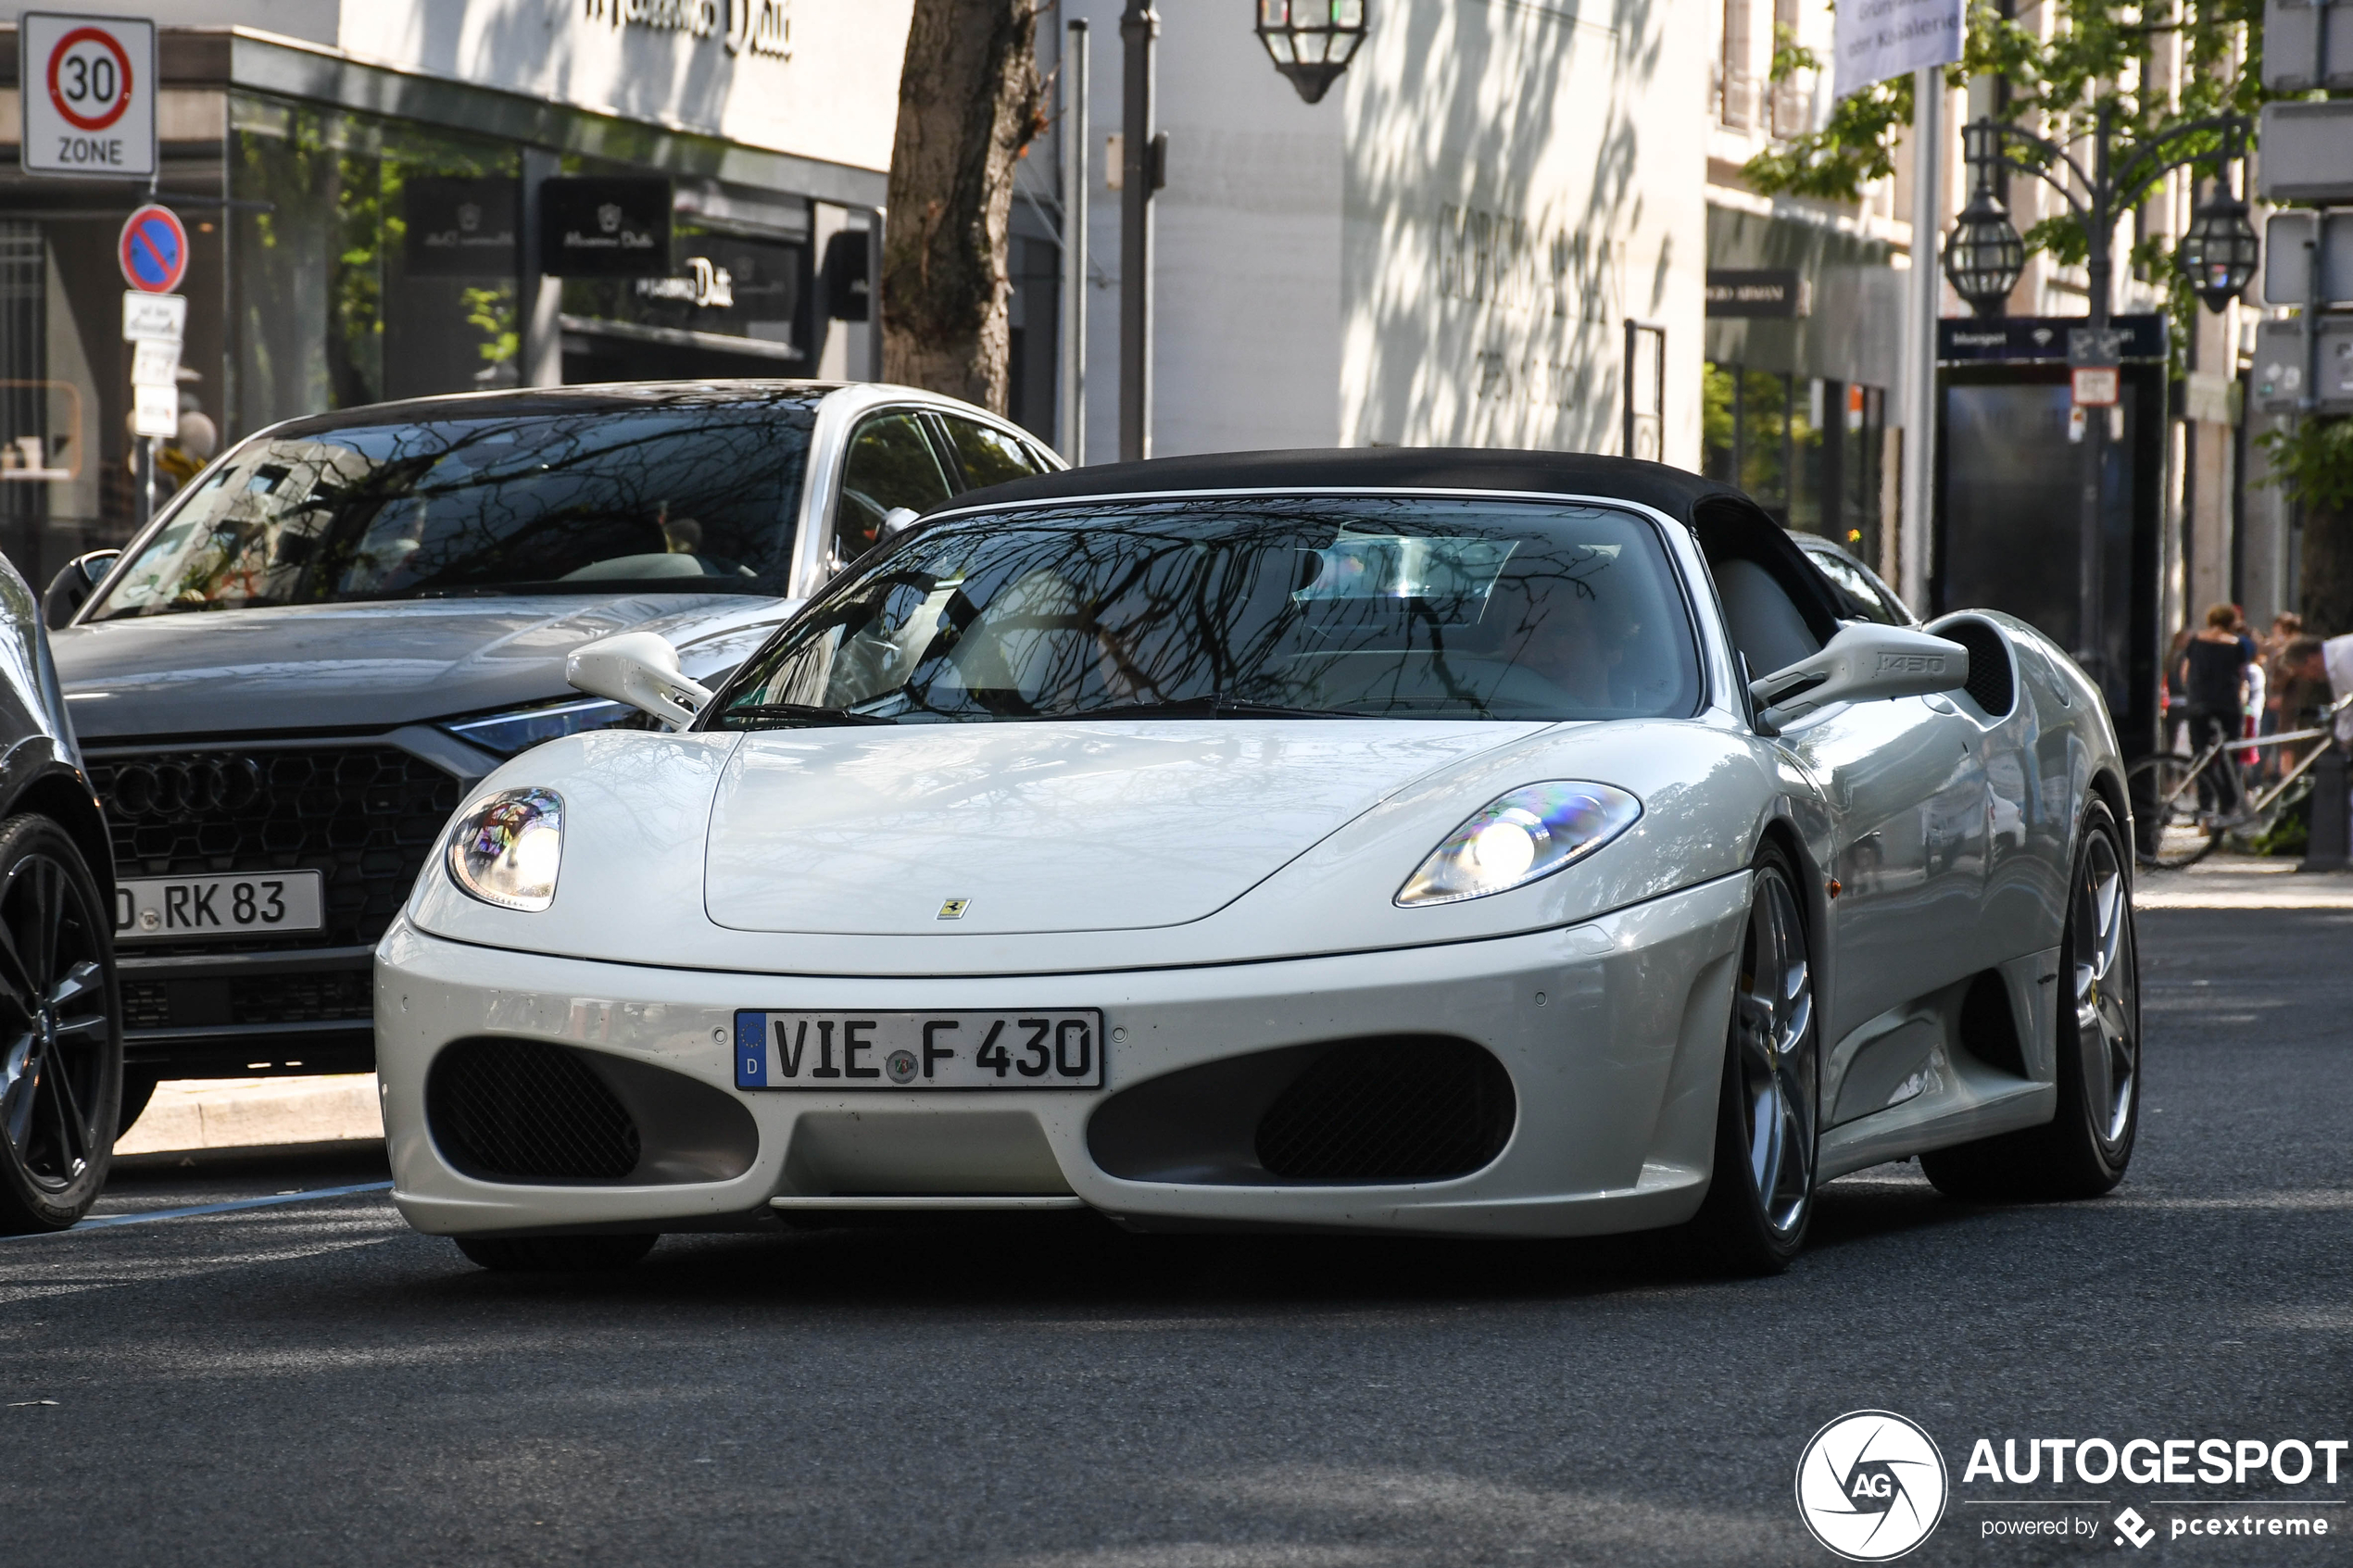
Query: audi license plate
(176,909)
(919,1050)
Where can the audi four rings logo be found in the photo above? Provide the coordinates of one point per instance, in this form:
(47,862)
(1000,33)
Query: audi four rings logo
(1870,1485)
(195,783)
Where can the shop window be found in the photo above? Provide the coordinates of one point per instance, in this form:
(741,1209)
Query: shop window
(722,286)
(890,465)
(1808,449)
(384,267)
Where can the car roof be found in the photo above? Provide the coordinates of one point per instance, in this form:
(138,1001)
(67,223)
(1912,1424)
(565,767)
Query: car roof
(607,397)
(1673,490)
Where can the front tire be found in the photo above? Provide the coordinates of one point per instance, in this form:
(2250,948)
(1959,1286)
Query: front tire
(555,1254)
(60,1030)
(1761,1195)
(2084,1149)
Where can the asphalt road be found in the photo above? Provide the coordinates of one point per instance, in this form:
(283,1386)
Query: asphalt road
(308,1383)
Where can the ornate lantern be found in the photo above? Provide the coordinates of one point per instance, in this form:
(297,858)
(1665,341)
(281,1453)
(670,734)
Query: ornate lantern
(1984,256)
(2219,251)
(1311,40)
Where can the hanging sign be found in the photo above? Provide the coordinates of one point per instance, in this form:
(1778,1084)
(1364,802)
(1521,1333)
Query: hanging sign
(1873,40)
(89,95)
(605,227)
(153,250)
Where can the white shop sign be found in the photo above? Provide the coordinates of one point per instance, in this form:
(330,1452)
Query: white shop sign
(89,95)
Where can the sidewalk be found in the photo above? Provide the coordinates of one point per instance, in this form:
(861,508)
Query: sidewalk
(2242,881)
(215,1113)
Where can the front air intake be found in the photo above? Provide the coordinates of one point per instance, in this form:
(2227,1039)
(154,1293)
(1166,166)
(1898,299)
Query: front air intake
(526,1110)
(1401,1109)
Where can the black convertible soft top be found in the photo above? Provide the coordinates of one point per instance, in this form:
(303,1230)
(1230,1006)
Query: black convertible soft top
(1725,521)
(1670,490)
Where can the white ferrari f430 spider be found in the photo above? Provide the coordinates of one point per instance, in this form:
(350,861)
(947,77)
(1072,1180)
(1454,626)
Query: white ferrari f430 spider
(1439,842)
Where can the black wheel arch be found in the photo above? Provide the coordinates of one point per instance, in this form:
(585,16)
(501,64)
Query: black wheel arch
(52,785)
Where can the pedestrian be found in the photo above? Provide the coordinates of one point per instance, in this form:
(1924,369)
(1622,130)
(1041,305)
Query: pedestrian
(2214,664)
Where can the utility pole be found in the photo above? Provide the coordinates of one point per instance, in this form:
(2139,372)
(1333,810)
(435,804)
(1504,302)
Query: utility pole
(1071,432)
(1139,175)
(1920,335)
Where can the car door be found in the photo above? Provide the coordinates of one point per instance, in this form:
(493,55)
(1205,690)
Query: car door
(888,462)
(1904,781)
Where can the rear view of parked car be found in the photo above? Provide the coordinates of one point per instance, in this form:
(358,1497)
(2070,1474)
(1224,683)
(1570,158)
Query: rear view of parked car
(290,679)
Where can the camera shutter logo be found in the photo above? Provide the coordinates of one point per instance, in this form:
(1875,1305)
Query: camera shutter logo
(1871,1486)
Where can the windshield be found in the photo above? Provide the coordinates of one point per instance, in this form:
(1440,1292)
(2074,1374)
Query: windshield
(683,500)
(1360,607)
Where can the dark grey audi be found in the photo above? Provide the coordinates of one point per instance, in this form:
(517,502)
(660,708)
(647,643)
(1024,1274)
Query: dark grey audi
(288,679)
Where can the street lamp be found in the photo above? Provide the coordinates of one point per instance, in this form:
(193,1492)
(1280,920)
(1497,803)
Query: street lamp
(1984,256)
(2220,246)
(2218,252)
(1311,40)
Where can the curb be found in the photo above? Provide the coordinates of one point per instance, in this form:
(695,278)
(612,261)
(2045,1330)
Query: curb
(202,1113)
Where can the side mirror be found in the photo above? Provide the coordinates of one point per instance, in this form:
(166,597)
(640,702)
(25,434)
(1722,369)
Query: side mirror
(898,520)
(1863,663)
(640,668)
(70,588)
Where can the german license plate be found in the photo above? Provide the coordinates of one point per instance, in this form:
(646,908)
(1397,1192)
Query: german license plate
(920,1050)
(176,908)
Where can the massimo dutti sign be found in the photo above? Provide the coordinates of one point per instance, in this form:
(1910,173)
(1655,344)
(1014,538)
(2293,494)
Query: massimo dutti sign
(604,228)
(744,27)
(460,228)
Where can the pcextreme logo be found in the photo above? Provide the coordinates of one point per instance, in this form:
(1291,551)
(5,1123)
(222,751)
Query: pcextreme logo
(1870,1485)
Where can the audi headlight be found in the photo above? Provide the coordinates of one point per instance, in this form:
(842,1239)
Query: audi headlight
(507,849)
(508,735)
(1516,838)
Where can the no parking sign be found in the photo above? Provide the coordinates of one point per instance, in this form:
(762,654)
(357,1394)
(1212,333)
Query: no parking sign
(153,250)
(89,95)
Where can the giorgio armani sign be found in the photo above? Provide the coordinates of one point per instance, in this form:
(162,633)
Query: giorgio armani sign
(744,27)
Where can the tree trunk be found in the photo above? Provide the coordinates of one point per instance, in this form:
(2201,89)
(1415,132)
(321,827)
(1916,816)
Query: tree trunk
(2325,572)
(968,101)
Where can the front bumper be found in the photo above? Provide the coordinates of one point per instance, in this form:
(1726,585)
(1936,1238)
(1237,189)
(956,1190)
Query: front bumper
(1615,1073)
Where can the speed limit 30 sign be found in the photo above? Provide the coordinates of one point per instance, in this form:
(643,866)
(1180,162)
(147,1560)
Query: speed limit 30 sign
(89,95)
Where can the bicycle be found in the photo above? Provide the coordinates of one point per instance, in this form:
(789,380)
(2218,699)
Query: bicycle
(2176,830)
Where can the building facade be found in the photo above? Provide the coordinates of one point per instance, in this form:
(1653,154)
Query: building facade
(1447,250)
(366,184)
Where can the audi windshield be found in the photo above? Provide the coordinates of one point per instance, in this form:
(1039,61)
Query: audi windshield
(1213,608)
(681,498)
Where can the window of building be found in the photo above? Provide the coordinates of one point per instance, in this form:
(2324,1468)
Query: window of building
(1809,450)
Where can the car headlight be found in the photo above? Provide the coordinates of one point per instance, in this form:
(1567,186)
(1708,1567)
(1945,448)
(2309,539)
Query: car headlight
(509,734)
(1516,838)
(507,849)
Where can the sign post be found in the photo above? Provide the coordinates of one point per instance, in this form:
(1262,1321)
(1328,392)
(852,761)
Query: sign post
(89,96)
(154,325)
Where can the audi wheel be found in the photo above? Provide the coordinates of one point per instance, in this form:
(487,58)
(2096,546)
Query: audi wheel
(61,1073)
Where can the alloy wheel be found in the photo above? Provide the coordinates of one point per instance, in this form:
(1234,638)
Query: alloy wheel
(2107,1003)
(54,1012)
(1773,1035)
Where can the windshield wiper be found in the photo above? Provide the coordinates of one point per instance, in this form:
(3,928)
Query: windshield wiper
(1216,705)
(802,713)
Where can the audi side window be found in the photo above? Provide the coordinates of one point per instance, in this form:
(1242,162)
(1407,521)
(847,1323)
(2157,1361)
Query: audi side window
(890,465)
(990,456)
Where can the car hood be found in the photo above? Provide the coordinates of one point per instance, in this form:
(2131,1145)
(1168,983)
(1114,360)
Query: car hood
(368,666)
(1042,827)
